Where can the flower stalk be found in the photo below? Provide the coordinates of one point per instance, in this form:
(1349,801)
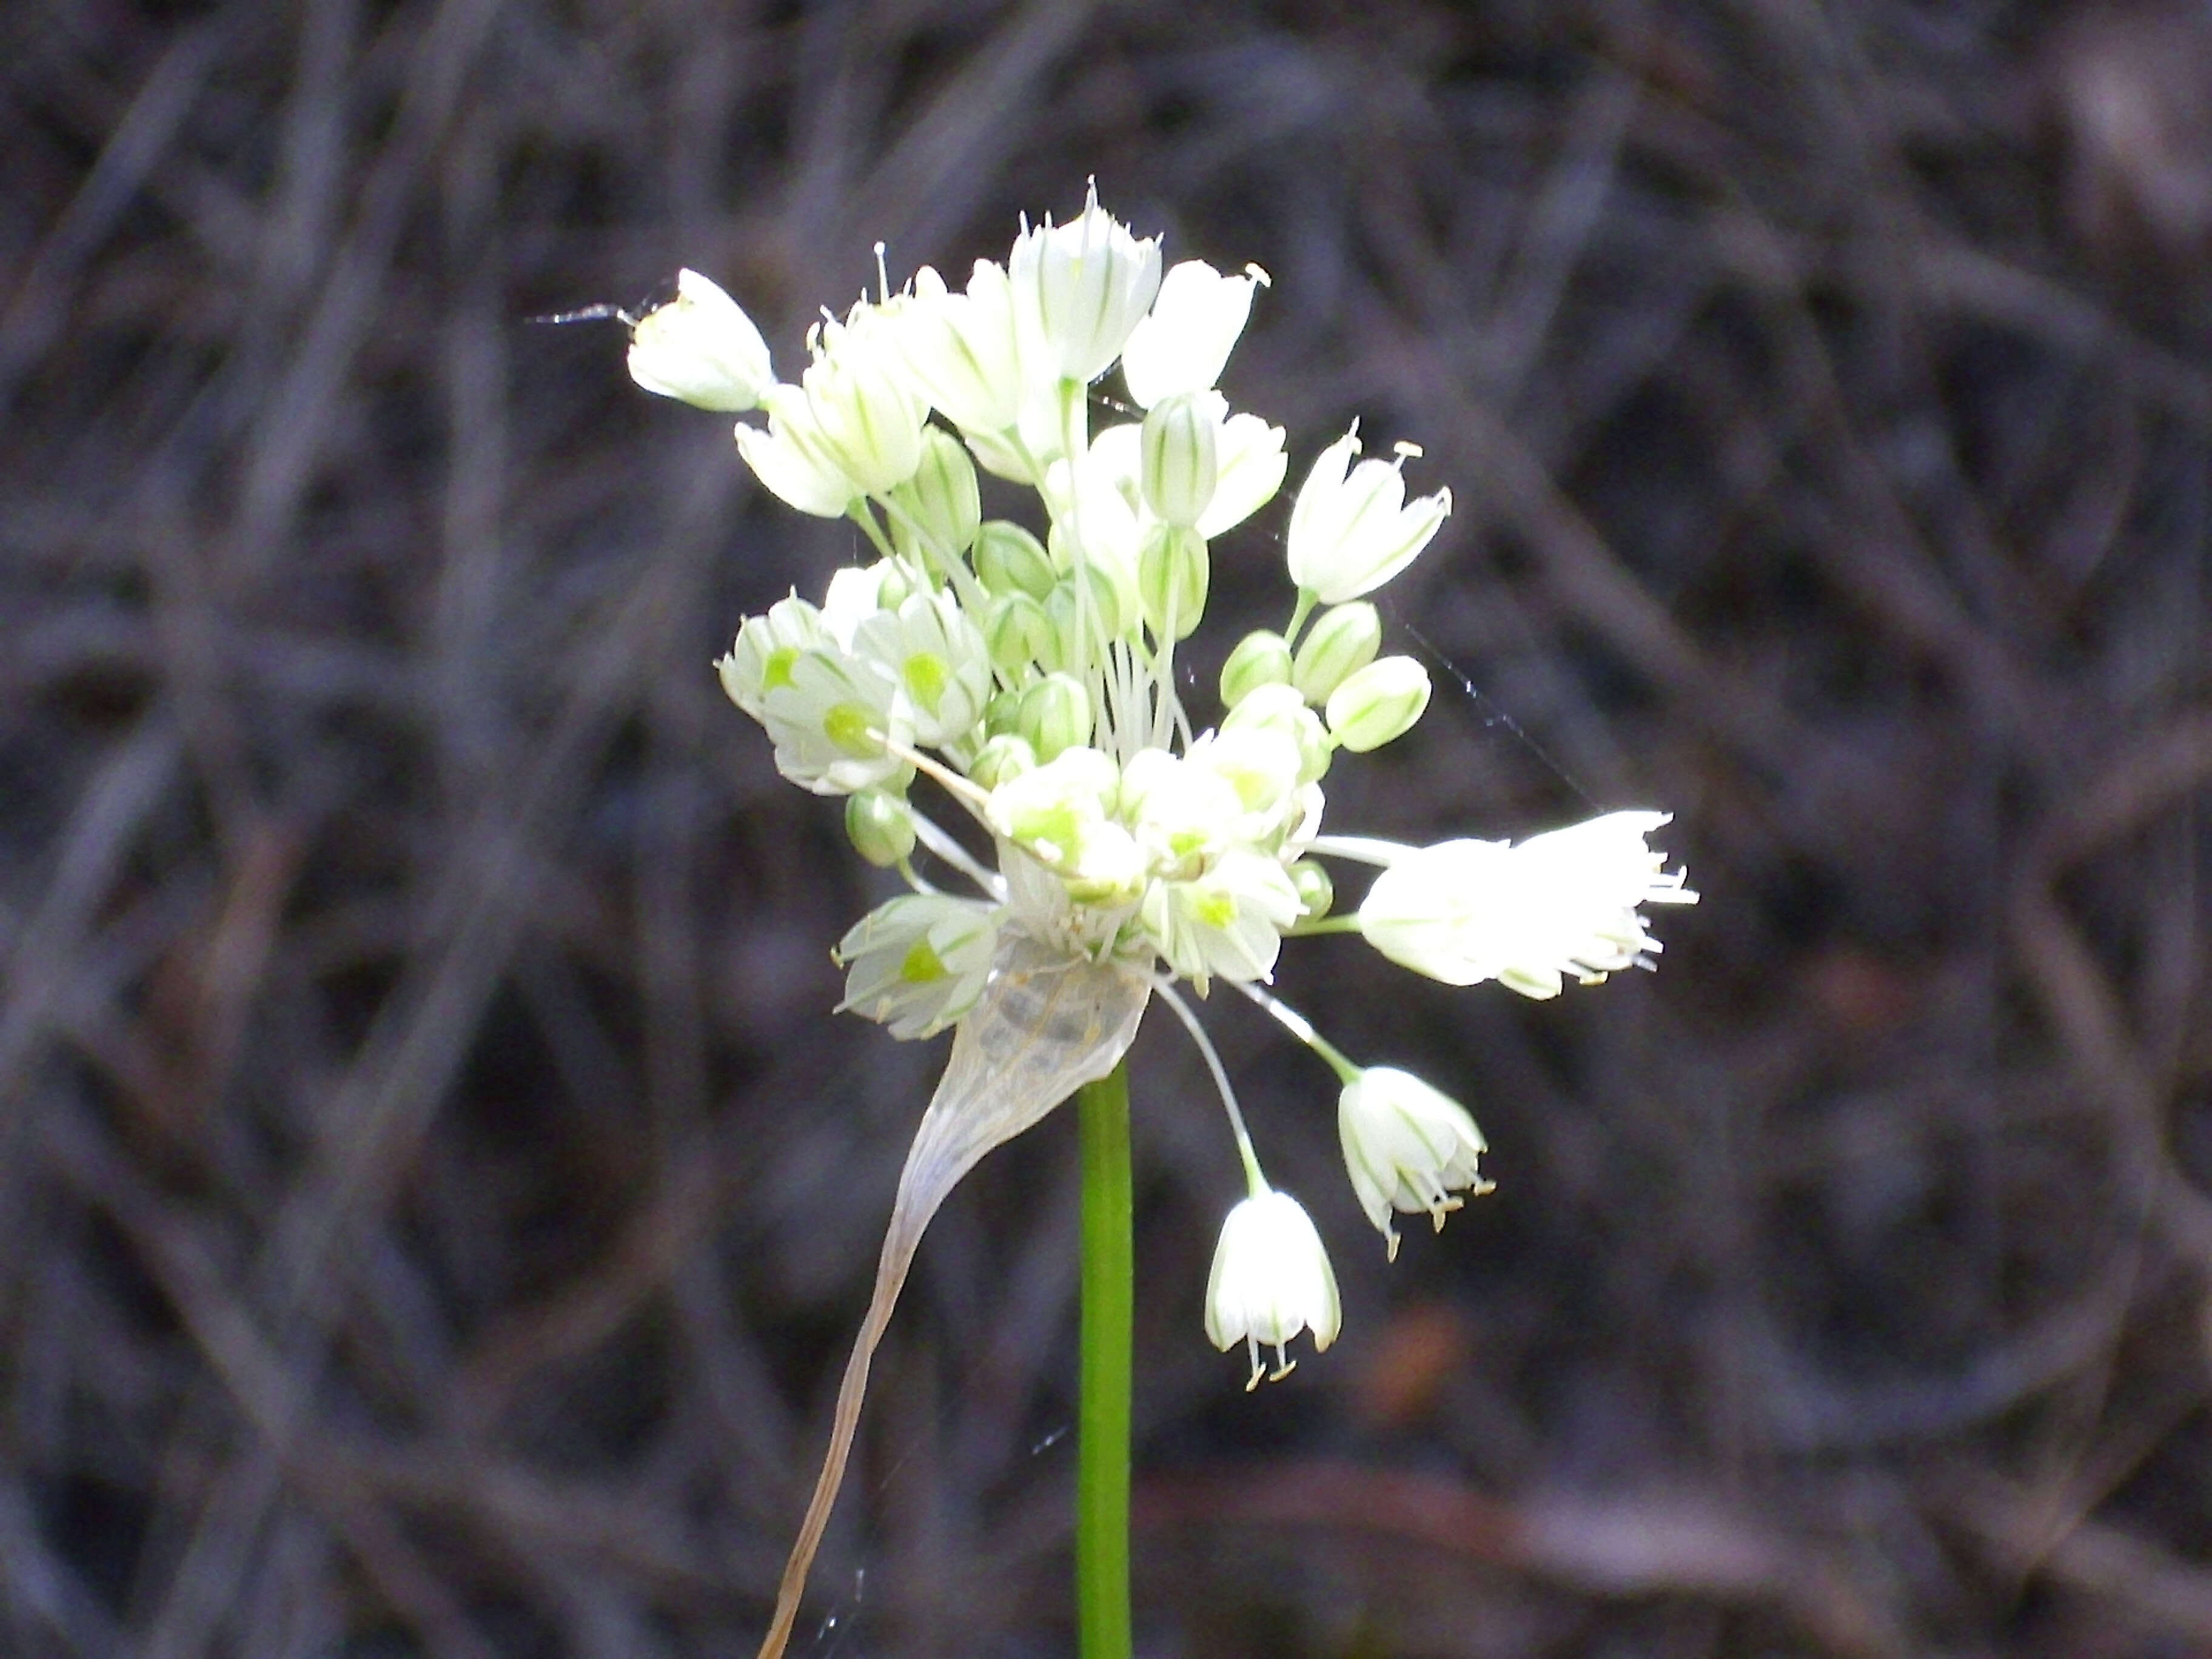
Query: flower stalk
(1106,1363)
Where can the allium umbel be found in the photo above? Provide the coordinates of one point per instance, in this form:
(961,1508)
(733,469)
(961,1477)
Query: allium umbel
(1113,843)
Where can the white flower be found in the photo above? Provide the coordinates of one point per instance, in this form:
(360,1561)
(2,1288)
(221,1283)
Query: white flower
(1083,285)
(1559,903)
(918,961)
(961,349)
(1050,810)
(792,458)
(1228,921)
(701,349)
(1249,467)
(1271,1279)
(1407,1147)
(857,592)
(867,418)
(766,647)
(832,720)
(1352,531)
(938,659)
(1185,339)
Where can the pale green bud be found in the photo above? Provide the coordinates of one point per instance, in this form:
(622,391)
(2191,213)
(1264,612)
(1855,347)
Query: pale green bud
(1008,560)
(1070,651)
(1002,714)
(1171,580)
(1379,702)
(1001,759)
(1344,640)
(1179,458)
(880,826)
(1261,658)
(1316,892)
(937,512)
(1279,707)
(894,587)
(1018,631)
(1054,716)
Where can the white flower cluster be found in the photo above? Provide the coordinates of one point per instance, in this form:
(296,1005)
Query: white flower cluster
(1029,673)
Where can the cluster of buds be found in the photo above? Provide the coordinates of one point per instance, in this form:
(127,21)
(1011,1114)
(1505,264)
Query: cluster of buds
(1027,673)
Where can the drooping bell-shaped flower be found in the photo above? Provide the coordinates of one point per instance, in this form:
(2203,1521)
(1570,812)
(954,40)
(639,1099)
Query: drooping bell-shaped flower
(1407,1147)
(1271,1279)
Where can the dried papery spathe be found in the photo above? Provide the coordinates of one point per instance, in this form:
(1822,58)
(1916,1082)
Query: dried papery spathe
(1045,1025)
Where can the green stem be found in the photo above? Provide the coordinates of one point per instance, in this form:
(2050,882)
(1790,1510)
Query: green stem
(1102,1477)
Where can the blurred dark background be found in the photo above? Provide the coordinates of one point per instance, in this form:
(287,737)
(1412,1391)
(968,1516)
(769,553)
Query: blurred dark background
(434,1194)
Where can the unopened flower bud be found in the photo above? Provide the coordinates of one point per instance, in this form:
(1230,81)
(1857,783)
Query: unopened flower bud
(1000,759)
(1379,702)
(1008,560)
(1343,640)
(1261,658)
(937,512)
(1102,615)
(701,349)
(1055,715)
(1172,574)
(1179,461)
(880,826)
(1316,892)
(1018,631)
